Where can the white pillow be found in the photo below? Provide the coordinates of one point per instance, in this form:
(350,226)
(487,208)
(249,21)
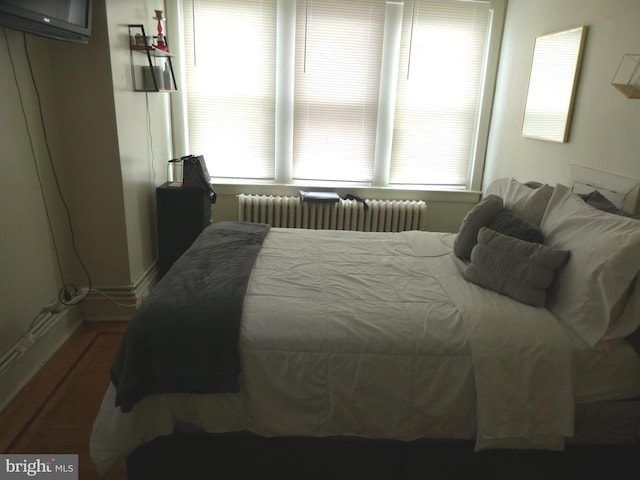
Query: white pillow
(625,317)
(527,202)
(605,258)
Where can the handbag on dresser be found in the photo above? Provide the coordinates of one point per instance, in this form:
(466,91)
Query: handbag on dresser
(195,174)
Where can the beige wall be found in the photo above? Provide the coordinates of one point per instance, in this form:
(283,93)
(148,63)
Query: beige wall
(107,163)
(29,275)
(143,132)
(604,131)
(89,157)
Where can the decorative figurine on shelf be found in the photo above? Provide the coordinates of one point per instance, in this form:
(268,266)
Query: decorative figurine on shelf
(160,43)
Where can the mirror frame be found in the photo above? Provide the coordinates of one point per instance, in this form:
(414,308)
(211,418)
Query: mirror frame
(551,87)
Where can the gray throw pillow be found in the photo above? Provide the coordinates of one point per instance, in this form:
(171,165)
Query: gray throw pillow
(512,224)
(599,201)
(602,203)
(474,220)
(510,266)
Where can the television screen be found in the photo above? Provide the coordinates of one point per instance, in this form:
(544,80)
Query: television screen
(68,20)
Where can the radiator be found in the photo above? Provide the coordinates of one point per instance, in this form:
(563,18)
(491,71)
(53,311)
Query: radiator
(291,212)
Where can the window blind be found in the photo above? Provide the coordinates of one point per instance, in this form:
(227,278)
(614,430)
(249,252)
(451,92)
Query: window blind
(290,89)
(440,82)
(337,79)
(230,61)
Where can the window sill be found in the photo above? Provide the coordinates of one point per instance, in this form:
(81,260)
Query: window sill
(228,187)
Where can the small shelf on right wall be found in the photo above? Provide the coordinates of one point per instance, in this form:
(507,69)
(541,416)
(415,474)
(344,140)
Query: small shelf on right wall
(627,77)
(156,73)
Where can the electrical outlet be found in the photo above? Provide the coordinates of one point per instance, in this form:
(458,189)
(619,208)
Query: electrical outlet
(78,296)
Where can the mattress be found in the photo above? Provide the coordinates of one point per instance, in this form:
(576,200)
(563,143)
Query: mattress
(608,371)
(378,335)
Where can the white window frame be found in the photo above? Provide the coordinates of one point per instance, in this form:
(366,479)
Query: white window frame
(286,24)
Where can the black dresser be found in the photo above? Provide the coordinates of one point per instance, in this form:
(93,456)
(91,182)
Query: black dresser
(183,212)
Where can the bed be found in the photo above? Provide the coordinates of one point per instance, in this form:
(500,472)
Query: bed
(388,355)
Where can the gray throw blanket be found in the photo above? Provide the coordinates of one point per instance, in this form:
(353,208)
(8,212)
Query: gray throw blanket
(184,335)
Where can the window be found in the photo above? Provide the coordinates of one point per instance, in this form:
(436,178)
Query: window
(230,58)
(442,61)
(371,92)
(337,83)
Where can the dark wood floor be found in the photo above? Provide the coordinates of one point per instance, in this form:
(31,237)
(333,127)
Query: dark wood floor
(54,413)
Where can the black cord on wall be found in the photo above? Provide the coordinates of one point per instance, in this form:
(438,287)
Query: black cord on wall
(65,293)
(149,131)
(33,155)
(68,290)
(69,294)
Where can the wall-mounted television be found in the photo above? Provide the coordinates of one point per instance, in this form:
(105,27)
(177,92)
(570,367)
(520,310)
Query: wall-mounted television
(68,20)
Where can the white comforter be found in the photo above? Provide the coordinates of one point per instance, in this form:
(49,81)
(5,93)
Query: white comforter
(373,335)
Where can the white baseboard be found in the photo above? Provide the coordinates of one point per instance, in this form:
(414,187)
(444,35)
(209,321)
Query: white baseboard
(106,303)
(118,303)
(29,361)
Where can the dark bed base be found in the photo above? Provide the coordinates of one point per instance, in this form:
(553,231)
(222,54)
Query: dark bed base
(245,456)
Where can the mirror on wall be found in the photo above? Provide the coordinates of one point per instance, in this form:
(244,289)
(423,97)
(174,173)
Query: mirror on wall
(552,84)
